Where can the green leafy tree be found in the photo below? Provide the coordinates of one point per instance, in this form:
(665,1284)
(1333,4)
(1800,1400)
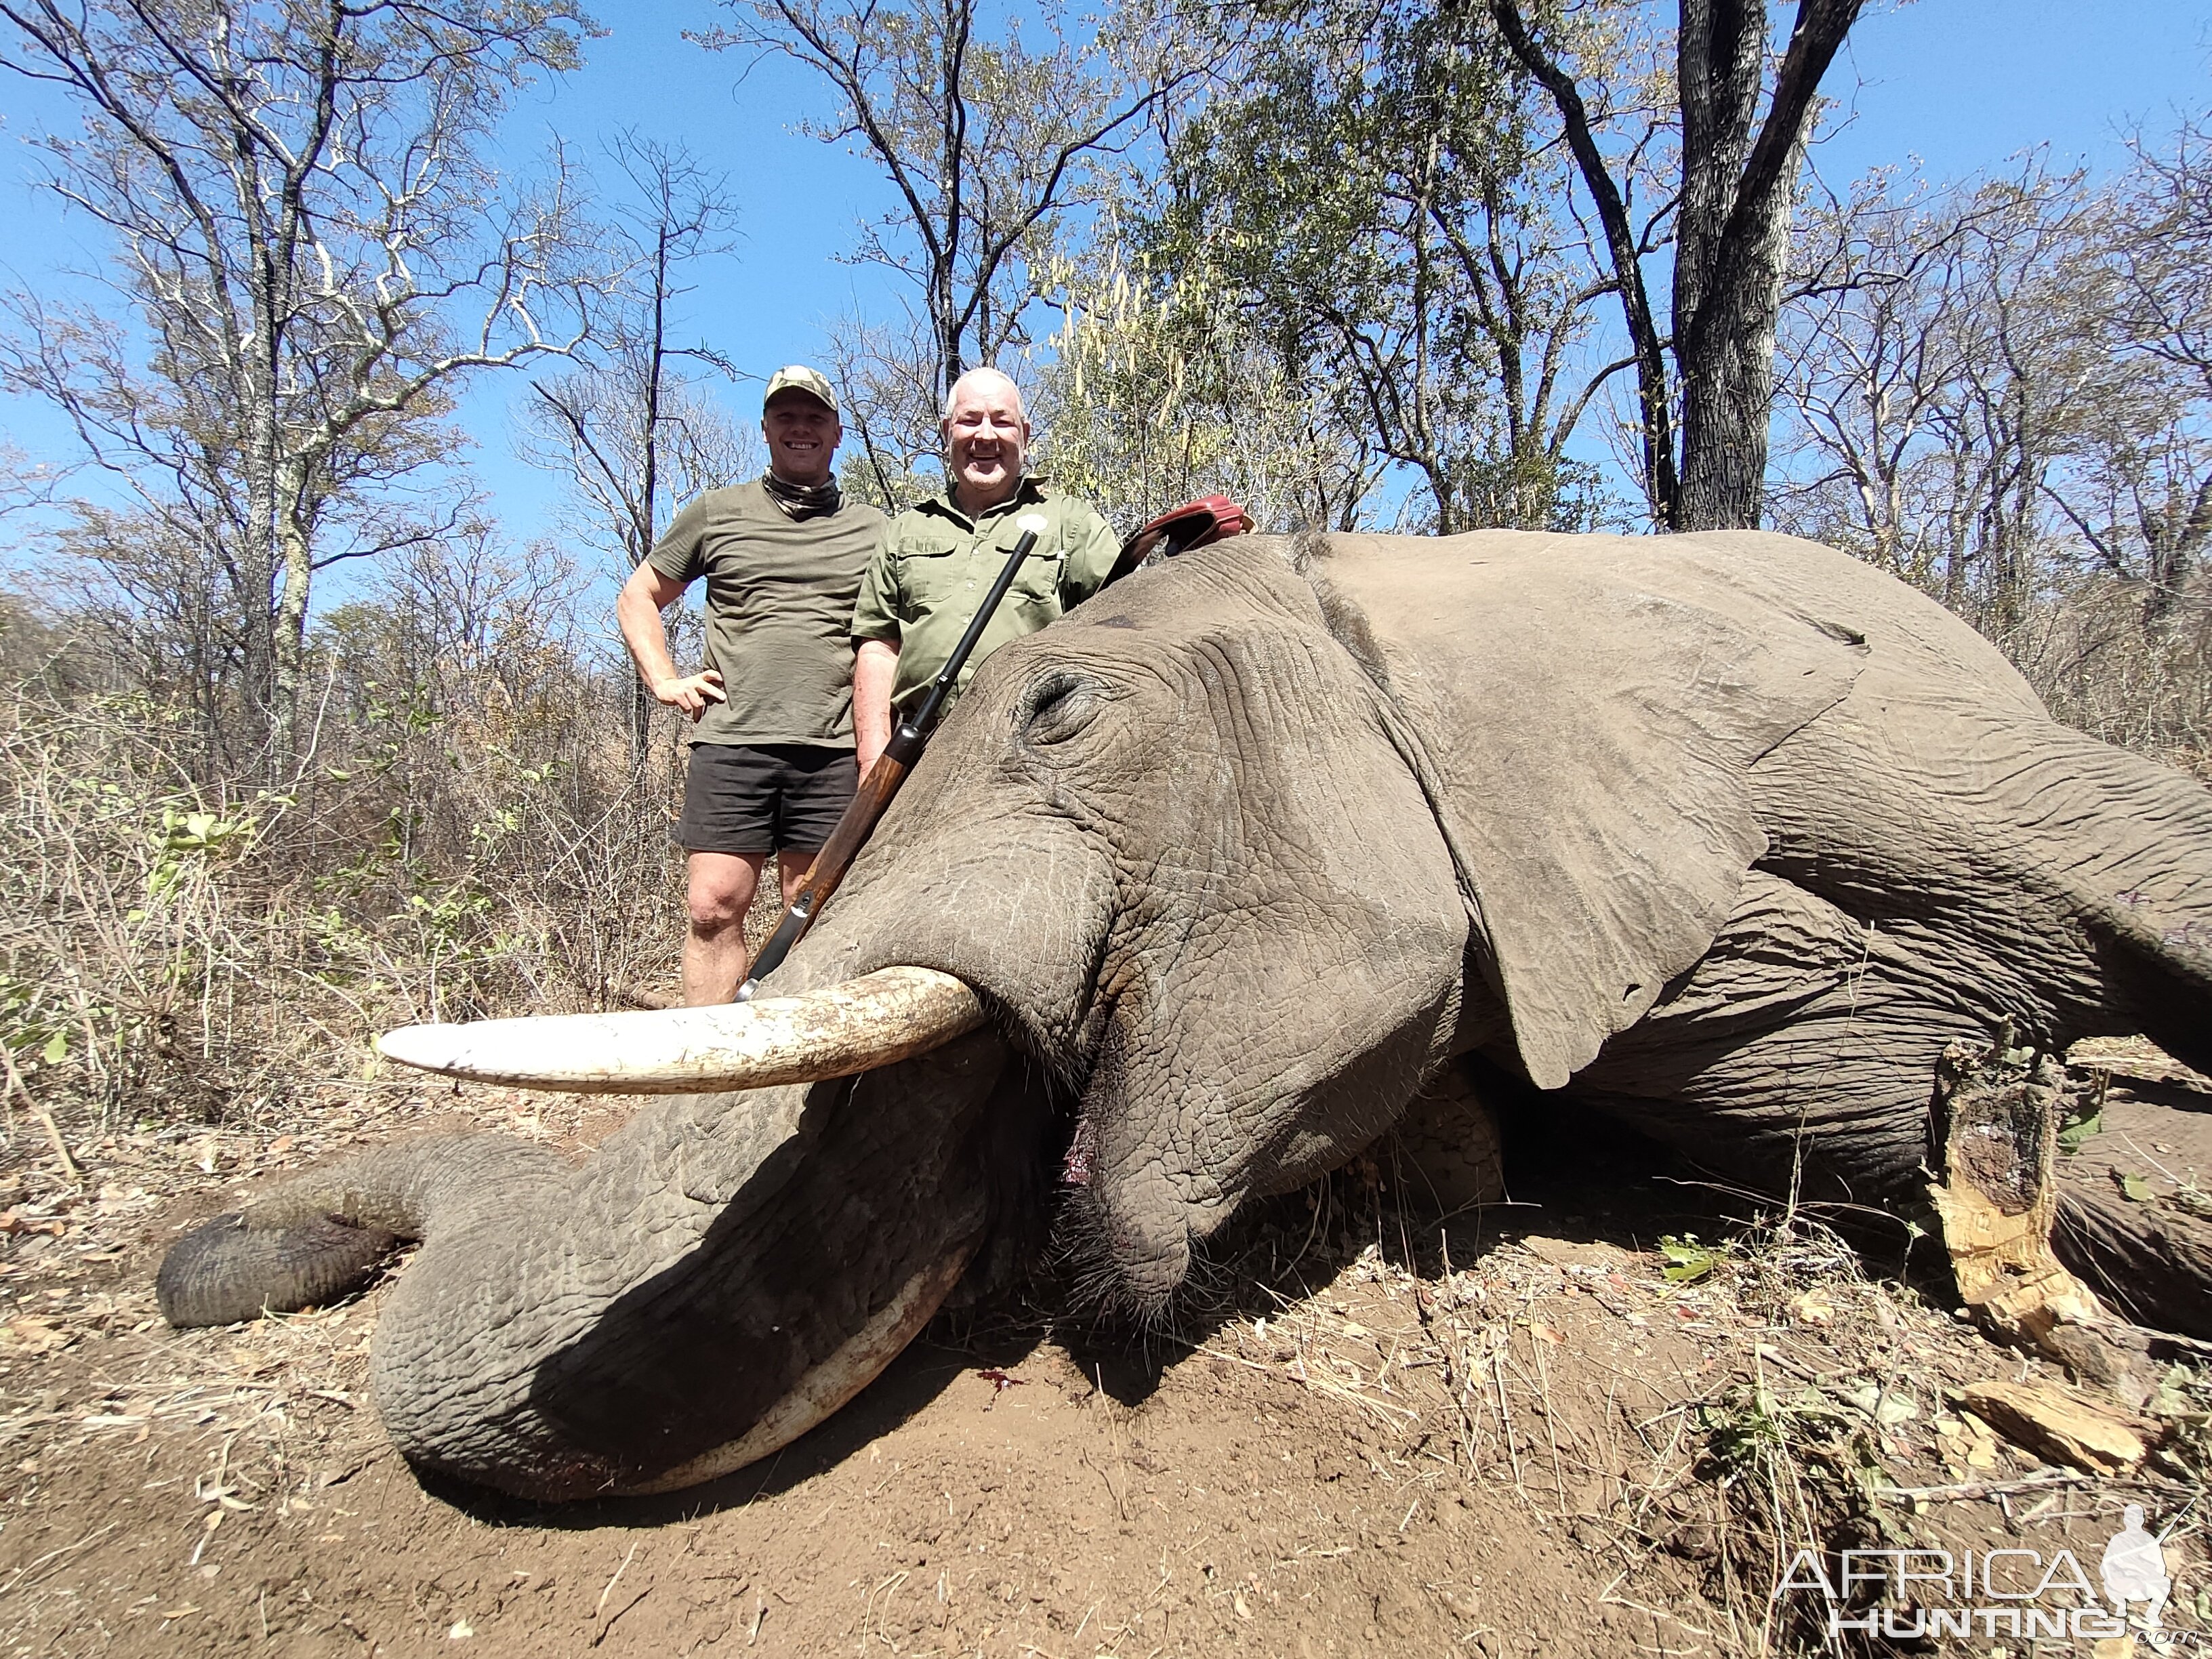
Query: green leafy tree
(1381,211)
(1155,391)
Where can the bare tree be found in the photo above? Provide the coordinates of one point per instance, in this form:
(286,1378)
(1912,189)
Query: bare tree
(1933,374)
(309,233)
(887,374)
(1975,394)
(2148,465)
(632,433)
(986,141)
(2137,489)
(1992,389)
(1730,241)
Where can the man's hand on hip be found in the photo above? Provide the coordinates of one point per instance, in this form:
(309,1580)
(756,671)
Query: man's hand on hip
(691,693)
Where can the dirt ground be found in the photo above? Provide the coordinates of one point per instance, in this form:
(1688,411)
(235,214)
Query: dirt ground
(1536,1430)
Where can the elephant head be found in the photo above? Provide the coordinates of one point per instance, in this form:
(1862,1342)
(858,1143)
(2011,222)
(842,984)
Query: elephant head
(1178,856)
(1228,862)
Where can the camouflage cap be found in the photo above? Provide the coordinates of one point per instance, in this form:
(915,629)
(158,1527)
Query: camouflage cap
(797,377)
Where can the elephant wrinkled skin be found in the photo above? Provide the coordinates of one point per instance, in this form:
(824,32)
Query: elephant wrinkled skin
(1729,834)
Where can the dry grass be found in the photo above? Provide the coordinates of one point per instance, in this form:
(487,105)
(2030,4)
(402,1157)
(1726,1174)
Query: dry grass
(175,953)
(2097,668)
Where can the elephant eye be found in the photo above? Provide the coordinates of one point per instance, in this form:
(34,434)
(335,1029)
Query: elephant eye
(1058,707)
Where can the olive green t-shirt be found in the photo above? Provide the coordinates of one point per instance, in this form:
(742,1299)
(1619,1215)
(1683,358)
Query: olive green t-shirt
(936,565)
(779,596)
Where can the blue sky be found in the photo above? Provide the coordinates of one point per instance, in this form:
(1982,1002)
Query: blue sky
(1957,85)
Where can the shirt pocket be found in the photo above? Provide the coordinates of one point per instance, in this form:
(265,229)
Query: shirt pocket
(1039,580)
(930,579)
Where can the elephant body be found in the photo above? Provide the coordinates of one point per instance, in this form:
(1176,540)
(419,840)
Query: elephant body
(1727,835)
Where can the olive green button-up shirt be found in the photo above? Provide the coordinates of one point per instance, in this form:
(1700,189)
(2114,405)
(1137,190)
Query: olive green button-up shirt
(934,566)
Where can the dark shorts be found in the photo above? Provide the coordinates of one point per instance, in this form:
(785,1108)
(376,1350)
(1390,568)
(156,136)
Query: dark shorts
(740,798)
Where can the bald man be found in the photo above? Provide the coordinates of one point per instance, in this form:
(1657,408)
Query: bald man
(935,561)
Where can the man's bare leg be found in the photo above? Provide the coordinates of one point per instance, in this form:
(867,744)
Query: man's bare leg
(720,889)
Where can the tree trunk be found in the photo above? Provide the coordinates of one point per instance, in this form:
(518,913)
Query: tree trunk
(1654,406)
(1737,193)
(253,579)
(1718,53)
(289,631)
(1727,365)
(1718,50)
(1735,234)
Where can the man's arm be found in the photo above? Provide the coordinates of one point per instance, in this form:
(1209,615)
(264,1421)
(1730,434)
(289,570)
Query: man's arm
(875,670)
(644,596)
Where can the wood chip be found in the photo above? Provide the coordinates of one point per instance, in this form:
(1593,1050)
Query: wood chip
(2056,1425)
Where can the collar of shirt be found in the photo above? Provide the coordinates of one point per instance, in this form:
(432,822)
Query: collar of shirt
(1031,492)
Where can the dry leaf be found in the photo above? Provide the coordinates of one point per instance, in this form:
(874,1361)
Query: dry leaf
(35,1336)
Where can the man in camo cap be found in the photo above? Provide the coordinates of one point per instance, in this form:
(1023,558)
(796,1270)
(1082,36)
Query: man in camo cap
(937,560)
(772,764)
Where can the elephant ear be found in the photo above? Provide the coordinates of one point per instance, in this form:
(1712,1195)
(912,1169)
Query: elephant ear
(1586,711)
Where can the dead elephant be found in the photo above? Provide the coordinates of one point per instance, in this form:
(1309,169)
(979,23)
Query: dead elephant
(1729,834)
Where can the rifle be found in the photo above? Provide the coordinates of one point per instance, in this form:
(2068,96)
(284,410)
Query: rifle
(873,797)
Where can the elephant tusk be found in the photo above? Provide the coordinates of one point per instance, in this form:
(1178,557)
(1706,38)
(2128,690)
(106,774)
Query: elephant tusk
(829,1384)
(890,1015)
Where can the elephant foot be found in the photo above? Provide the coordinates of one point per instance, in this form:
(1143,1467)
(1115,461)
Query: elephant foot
(225,1272)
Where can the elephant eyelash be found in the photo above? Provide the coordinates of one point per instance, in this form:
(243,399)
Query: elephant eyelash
(1059,709)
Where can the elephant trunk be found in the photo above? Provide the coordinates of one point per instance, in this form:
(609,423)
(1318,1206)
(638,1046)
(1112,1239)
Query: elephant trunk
(323,1236)
(722,1273)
